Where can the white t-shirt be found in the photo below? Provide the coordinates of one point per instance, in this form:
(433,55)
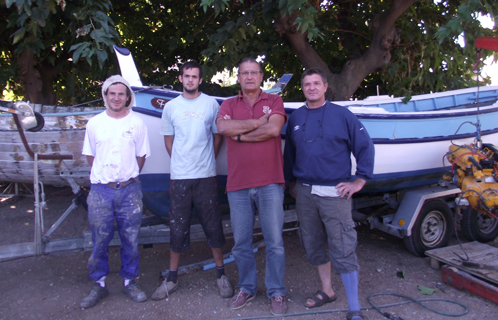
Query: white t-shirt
(115,145)
(193,123)
(324,191)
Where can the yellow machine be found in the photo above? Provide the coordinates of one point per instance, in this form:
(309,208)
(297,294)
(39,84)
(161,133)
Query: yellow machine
(475,172)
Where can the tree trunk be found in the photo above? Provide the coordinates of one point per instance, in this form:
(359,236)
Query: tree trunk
(37,80)
(343,85)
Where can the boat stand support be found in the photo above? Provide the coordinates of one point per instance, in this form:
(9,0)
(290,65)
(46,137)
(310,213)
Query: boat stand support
(41,243)
(80,199)
(15,187)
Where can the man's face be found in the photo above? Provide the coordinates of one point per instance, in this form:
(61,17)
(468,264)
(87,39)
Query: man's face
(190,80)
(116,97)
(250,76)
(314,88)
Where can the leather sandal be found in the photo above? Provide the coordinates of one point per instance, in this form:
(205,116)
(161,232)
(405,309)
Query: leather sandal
(320,299)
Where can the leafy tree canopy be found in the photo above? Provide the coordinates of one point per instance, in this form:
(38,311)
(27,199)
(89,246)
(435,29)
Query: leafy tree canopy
(54,46)
(403,46)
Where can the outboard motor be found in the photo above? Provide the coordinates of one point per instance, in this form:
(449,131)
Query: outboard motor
(475,172)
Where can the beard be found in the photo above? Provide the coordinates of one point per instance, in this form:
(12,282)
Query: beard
(190,91)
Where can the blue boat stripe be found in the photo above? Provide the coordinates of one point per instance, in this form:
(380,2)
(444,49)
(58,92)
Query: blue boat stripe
(433,139)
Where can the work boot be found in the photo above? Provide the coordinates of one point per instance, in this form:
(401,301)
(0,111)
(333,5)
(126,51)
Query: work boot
(96,294)
(133,291)
(226,290)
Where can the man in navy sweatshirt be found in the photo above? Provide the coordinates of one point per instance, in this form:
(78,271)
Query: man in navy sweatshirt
(320,138)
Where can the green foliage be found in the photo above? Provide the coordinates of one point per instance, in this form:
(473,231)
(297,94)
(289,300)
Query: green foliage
(426,291)
(75,39)
(58,32)
(430,58)
(426,60)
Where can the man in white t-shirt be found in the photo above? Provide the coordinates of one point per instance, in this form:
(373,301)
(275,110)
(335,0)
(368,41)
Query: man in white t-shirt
(116,146)
(192,141)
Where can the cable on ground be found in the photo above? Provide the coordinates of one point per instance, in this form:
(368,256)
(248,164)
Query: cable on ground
(374,306)
(419,302)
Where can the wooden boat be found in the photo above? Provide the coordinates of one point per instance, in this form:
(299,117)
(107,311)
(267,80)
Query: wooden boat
(62,135)
(410,139)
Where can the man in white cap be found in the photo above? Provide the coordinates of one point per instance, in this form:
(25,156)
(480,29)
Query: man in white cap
(116,146)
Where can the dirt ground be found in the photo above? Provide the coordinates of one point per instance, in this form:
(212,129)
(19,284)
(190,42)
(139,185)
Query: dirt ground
(52,286)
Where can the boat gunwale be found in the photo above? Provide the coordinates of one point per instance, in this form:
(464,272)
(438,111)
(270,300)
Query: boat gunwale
(434,139)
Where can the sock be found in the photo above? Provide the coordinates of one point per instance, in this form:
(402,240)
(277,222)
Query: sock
(127,282)
(173,276)
(101,282)
(220,271)
(350,281)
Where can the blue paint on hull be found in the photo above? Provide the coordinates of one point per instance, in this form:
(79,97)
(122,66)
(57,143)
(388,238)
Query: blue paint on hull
(155,189)
(425,119)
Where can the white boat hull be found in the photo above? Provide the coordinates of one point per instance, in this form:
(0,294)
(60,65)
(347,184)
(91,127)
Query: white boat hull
(410,145)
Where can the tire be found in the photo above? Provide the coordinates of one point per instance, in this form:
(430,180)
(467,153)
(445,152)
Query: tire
(432,229)
(477,226)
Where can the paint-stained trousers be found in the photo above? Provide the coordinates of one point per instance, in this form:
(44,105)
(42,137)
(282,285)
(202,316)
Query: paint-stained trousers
(104,205)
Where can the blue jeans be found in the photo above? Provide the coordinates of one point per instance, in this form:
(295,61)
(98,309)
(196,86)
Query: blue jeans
(105,204)
(268,200)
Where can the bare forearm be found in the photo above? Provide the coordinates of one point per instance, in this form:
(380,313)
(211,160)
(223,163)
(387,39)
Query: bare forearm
(218,141)
(141,162)
(232,128)
(168,143)
(89,159)
(269,130)
(263,133)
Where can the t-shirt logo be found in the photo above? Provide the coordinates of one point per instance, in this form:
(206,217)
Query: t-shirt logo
(192,114)
(128,133)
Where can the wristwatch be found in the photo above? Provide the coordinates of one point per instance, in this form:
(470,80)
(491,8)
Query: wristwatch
(238,138)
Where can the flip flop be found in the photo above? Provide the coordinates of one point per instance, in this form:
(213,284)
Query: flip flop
(320,301)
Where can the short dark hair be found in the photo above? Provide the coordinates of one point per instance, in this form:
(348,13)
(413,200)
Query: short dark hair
(191,65)
(310,71)
(250,60)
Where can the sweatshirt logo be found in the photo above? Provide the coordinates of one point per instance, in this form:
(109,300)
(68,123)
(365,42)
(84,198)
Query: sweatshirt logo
(296,128)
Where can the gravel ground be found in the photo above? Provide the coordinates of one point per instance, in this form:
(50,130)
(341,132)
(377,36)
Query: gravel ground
(52,286)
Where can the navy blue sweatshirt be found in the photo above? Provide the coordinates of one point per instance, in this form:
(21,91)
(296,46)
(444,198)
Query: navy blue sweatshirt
(319,143)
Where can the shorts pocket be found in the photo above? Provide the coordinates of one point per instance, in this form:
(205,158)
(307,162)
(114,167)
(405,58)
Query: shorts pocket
(349,238)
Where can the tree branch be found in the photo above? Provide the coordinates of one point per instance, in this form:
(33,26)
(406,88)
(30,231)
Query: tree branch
(343,85)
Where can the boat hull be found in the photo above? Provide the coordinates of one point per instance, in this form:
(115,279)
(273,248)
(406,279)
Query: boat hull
(400,163)
(62,134)
(409,145)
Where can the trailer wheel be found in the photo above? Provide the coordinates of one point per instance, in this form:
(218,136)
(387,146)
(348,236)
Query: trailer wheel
(477,226)
(432,229)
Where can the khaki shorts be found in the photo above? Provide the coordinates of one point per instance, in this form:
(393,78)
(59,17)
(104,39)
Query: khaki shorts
(326,229)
